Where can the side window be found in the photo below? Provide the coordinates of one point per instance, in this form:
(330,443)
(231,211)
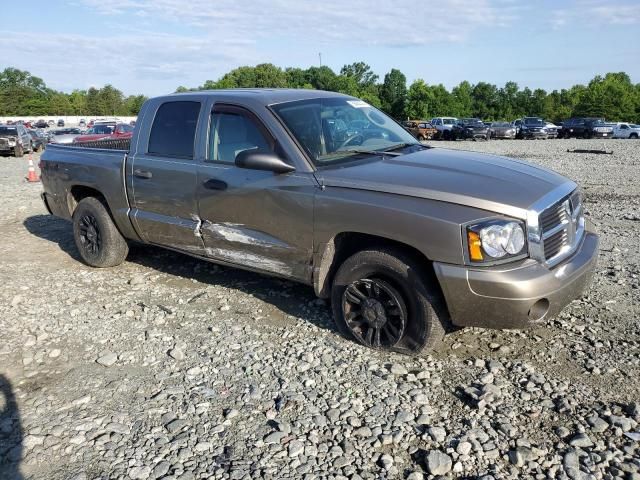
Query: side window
(233,132)
(174,129)
(624,127)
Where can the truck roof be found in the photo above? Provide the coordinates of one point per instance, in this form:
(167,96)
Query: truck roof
(268,96)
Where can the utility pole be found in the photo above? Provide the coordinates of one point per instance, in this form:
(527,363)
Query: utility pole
(320,57)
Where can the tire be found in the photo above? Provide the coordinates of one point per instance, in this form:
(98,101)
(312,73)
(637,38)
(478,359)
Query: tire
(421,138)
(18,151)
(633,136)
(99,242)
(446,135)
(30,147)
(403,313)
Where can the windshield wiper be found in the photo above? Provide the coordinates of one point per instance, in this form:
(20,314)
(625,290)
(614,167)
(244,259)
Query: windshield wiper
(398,146)
(371,152)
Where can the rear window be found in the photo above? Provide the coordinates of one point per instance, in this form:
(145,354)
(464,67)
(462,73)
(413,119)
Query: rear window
(174,129)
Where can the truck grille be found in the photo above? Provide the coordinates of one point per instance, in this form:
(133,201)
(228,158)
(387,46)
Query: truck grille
(562,227)
(4,142)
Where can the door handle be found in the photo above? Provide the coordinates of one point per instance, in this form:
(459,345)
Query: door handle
(142,173)
(215,184)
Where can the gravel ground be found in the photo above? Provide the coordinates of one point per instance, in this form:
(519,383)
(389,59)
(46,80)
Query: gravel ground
(169,367)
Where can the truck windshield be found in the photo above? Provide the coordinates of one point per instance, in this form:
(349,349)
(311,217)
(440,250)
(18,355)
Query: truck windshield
(332,130)
(533,121)
(8,131)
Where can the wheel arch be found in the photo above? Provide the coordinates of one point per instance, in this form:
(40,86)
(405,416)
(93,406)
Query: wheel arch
(79,192)
(344,244)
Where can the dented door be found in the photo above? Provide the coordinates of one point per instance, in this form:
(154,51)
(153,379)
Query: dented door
(258,220)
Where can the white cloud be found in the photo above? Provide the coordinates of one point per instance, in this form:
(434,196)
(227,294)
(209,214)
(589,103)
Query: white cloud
(360,22)
(594,13)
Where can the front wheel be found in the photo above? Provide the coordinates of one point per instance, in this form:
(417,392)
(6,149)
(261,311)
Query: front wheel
(99,242)
(18,151)
(381,299)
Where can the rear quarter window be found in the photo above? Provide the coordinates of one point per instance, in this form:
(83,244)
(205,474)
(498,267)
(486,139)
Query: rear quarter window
(174,129)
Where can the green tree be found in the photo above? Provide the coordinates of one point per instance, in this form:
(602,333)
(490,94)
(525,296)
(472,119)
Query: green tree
(419,100)
(393,93)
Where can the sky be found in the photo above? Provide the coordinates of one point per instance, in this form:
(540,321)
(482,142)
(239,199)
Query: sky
(153,46)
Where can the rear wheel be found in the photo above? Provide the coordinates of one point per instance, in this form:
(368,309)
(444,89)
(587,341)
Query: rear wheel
(633,135)
(99,242)
(381,299)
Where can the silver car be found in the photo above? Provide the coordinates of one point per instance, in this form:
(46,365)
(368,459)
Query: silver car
(15,140)
(64,136)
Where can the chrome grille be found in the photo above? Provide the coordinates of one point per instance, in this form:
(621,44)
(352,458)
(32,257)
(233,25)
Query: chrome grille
(561,228)
(4,142)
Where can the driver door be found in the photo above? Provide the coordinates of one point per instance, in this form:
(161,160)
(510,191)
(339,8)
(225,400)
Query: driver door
(252,218)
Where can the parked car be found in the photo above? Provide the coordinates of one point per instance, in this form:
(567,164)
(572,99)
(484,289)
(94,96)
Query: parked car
(42,124)
(51,123)
(626,130)
(132,123)
(402,237)
(61,123)
(103,131)
(15,140)
(443,125)
(82,123)
(502,130)
(39,140)
(530,128)
(552,130)
(64,136)
(420,129)
(472,128)
(586,128)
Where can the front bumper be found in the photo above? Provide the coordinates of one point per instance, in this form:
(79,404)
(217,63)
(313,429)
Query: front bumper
(518,296)
(601,134)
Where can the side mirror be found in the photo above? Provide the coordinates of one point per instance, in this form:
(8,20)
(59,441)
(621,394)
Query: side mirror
(262,160)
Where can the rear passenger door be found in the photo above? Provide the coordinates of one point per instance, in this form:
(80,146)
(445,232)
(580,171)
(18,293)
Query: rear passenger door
(163,176)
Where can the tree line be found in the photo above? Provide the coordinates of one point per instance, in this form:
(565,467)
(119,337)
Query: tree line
(612,96)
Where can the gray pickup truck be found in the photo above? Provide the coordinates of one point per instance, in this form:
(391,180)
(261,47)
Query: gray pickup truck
(322,188)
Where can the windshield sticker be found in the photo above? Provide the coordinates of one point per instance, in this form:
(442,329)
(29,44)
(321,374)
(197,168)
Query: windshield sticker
(358,104)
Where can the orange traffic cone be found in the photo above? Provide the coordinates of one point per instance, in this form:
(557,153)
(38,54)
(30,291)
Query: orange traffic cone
(32,176)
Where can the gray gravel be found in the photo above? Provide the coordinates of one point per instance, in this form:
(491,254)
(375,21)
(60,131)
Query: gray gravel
(169,367)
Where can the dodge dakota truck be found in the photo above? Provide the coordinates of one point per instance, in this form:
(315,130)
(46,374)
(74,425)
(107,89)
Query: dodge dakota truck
(405,240)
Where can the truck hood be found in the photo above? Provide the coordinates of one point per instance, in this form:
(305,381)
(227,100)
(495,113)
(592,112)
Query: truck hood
(488,182)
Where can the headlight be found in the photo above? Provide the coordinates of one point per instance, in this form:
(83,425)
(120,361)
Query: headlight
(495,240)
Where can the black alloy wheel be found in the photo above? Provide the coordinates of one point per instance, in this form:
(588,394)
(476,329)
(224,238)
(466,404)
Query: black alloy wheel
(90,237)
(374,312)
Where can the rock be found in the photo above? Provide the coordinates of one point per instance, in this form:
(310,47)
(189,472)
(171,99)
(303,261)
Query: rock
(581,440)
(363,432)
(176,354)
(398,369)
(203,447)
(598,425)
(140,473)
(296,447)
(161,469)
(438,463)
(176,425)
(275,437)
(521,456)
(415,476)
(386,461)
(438,434)
(463,448)
(108,359)
(55,353)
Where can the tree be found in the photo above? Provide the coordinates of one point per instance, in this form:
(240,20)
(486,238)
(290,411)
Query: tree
(361,73)
(393,93)
(463,99)
(419,99)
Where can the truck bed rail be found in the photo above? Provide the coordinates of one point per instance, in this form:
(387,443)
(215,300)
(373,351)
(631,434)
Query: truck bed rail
(109,144)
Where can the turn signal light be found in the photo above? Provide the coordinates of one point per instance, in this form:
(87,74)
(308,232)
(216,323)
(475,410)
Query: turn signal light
(475,246)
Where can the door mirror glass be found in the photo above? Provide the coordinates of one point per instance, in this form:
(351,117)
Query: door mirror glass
(256,159)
